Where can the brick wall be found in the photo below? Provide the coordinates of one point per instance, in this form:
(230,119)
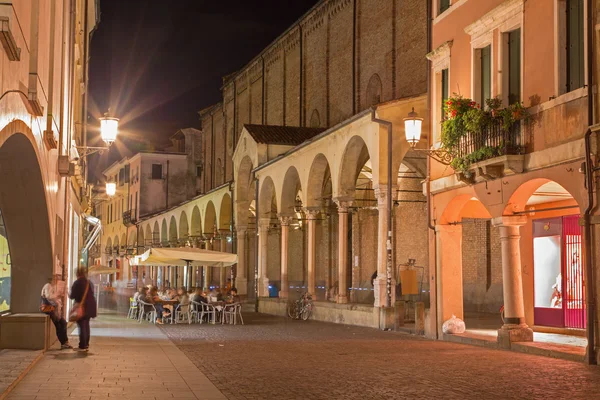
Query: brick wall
(310,69)
(482,266)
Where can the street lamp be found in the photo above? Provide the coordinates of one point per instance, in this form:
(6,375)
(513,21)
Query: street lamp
(111,188)
(109,128)
(413,126)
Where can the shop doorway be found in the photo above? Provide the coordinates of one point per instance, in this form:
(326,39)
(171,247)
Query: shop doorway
(559,295)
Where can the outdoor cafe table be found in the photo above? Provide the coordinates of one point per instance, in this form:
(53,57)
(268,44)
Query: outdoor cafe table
(173,304)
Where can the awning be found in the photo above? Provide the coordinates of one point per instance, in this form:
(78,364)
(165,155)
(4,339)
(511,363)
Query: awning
(184,256)
(98,269)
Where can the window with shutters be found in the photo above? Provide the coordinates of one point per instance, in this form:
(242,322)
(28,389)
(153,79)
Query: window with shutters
(156,171)
(482,74)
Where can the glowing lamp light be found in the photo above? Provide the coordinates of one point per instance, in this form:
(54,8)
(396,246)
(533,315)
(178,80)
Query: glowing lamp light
(412,128)
(109,128)
(111,188)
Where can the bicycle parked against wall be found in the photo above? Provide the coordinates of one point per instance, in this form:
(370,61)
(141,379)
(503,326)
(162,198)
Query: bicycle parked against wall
(301,308)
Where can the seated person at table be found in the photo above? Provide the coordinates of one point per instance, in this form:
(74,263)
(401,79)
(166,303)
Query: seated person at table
(199,296)
(152,298)
(137,294)
(183,296)
(232,297)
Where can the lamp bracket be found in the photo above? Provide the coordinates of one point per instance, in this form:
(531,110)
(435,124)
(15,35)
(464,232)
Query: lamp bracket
(442,156)
(86,151)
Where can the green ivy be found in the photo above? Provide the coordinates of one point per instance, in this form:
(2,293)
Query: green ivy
(463,116)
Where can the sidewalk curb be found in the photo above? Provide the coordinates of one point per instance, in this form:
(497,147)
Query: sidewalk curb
(21,376)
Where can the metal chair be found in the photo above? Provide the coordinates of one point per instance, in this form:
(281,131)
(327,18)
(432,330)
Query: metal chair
(231,313)
(183,313)
(133,309)
(196,311)
(149,315)
(210,310)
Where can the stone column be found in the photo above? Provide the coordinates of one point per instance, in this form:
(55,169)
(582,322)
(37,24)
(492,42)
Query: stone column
(514,329)
(383,242)
(241,279)
(343,206)
(285,230)
(208,270)
(194,278)
(449,273)
(311,216)
(263,247)
(223,271)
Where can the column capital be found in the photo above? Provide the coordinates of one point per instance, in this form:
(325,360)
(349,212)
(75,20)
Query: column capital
(285,220)
(509,220)
(264,222)
(242,230)
(343,204)
(311,213)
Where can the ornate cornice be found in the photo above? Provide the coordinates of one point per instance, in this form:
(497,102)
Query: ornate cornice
(335,6)
(285,220)
(440,57)
(495,18)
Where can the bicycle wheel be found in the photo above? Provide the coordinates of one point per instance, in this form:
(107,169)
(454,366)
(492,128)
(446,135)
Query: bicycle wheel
(293,311)
(306,311)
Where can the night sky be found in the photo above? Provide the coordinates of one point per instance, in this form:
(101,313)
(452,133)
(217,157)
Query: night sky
(155,64)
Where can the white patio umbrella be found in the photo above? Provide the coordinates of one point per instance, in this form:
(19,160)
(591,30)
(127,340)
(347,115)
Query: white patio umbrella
(185,256)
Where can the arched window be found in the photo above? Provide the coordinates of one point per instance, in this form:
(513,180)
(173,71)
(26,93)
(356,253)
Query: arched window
(315,119)
(374,90)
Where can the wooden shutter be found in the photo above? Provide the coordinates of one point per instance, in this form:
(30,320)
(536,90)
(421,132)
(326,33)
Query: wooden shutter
(445,84)
(514,66)
(444,5)
(486,74)
(575,51)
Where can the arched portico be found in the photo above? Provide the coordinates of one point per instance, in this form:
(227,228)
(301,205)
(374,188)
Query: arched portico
(184,230)
(164,233)
(268,261)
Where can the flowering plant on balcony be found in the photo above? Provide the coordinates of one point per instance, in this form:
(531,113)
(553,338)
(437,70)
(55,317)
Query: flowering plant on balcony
(472,134)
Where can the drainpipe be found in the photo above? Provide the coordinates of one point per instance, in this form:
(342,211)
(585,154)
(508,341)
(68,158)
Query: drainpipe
(232,230)
(388,125)
(428,178)
(589,180)
(255,179)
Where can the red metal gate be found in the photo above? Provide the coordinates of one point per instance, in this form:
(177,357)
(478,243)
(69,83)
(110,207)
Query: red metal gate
(573,282)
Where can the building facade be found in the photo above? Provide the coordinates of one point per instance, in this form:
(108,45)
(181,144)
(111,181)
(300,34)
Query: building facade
(44,61)
(516,183)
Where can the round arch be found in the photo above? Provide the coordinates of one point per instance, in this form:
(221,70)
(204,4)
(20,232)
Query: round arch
(156,237)
(463,205)
(24,209)
(164,237)
(109,244)
(116,242)
(210,219)
(553,190)
(317,177)
(123,240)
(291,187)
(141,238)
(267,198)
(196,228)
(184,230)
(148,235)
(355,155)
(225,212)
(172,229)
(132,239)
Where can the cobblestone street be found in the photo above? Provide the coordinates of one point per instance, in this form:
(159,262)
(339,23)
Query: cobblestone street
(277,358)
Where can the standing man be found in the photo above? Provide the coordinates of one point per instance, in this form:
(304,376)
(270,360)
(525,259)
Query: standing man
(83,293)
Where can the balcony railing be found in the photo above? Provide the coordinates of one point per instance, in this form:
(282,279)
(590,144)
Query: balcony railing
(129,218)
(490,142)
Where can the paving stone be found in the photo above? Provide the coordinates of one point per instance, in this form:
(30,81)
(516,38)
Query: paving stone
(126,360)
(276,358)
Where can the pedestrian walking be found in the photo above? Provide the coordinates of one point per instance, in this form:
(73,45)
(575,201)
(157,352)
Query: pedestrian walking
(51,305)
(84,308)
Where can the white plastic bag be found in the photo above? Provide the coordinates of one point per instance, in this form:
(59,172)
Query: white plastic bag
(454,325)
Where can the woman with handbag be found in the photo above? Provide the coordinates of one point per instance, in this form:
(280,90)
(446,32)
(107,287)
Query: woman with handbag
(84,307)
(51,305)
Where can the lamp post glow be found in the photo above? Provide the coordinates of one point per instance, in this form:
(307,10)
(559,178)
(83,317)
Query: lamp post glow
(111,188)
(412,128)
(109,128)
